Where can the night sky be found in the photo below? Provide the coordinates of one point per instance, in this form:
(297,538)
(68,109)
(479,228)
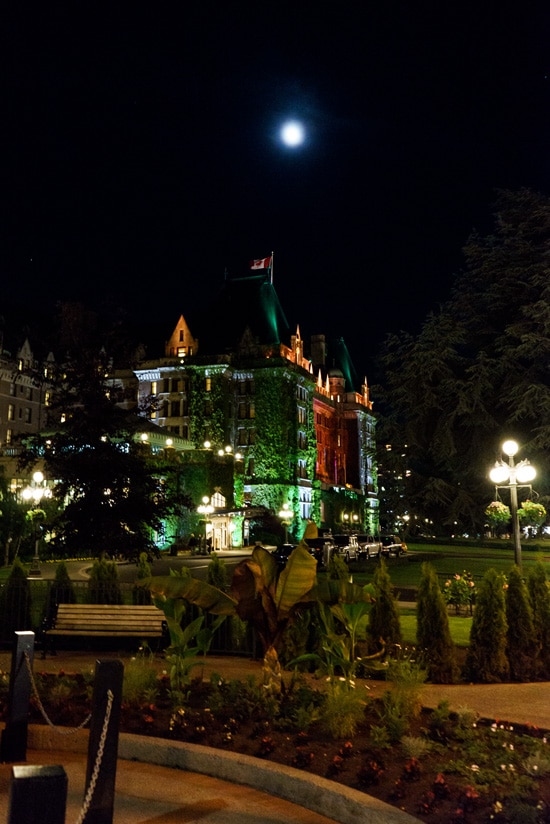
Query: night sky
(142,155)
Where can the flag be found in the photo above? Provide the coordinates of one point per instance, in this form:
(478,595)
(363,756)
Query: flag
(261,263)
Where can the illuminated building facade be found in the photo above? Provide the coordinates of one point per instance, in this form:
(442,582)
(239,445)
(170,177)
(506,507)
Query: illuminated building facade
(299,432)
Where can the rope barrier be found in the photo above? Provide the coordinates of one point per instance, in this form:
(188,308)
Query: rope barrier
(101,746)
(47,719)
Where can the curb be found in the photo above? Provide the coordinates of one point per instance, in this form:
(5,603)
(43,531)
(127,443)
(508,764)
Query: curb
(311,792)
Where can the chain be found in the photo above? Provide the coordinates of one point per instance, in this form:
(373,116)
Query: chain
(59,730)
(99,758)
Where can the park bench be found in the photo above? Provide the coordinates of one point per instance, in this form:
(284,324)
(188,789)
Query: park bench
(141,621)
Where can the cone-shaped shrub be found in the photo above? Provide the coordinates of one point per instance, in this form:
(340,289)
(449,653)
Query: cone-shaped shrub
(539,598)
(433,635)
(61,591)
(384,627)
(521,647)
(142,595)
(15,603)
(486,660)
(103,584)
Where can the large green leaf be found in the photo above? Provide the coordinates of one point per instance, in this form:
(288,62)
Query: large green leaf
(296,581)
(191,589)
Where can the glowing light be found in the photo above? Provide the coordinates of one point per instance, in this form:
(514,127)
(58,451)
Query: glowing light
(292,134)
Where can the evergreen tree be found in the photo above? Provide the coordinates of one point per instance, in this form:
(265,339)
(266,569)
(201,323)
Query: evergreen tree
(486,660)
(117,492)
(521,646)
(15,603)
(61,591)
(539,598)
(476,368)
(141,595)
(216,573)
(384,627)
(433,635)
(103,584)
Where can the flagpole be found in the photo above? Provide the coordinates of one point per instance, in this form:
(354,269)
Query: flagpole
(272,268)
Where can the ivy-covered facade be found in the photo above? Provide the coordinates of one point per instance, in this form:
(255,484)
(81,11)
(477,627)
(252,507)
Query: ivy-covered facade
(288,431)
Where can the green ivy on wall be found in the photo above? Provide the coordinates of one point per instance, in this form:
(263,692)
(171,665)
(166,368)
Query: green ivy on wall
(276,426)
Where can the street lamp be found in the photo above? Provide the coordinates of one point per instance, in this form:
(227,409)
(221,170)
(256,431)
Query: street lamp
(512,473)
(286,517)
(205,509)
(35,492)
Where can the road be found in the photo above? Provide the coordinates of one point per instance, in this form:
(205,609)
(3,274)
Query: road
(79,570)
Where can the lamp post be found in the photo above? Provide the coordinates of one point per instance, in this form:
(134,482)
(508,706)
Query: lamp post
(513,472)
(35,492)
(286,517)
(205,509)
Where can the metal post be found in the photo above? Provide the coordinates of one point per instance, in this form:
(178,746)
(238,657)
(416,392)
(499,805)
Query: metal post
(514,512)
(13,745)
(103,741)
(38,795)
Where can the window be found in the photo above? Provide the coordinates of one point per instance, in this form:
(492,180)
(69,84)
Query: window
(166,385)
(242,438)
(251,410)
(11,412)
(175,385)
(208,408)
(12,389)
(182,351)
(175,409)
(153,387)
(9,436)
(47,398)
(181,335)
(242,410)
(28,414)
(208,384)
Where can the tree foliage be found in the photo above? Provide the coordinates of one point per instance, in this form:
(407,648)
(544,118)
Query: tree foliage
(432,629)
(116,492)
(478,369)
(486,660)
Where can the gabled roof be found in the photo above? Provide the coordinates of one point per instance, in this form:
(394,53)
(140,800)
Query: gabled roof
(245,306)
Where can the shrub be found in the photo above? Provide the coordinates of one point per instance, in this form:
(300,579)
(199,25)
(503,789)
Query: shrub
(384,625)
(521,646)
(539,598)
(432,629)
(486,659)
(142,595)
(61,591)
(103,585)
(15,602)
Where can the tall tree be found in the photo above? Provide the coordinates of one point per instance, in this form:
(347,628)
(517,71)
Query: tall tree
(116,491)
(478,369)
(521,642)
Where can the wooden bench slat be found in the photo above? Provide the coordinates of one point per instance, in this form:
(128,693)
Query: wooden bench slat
(108,620)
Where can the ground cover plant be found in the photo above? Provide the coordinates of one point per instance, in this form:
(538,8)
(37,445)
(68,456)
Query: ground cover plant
(440,766)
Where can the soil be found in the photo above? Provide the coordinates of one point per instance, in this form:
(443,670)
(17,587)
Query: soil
(466,775)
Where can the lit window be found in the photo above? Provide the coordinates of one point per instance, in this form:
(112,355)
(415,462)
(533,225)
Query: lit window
(208,385)
(153,387)
(9,435)
(11,412)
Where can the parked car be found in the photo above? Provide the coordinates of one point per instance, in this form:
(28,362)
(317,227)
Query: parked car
(392,545)
(281,554)
(351,551)
(321,548)
(370,547)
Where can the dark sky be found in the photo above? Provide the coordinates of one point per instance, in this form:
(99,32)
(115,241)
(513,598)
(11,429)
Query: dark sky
(141,155)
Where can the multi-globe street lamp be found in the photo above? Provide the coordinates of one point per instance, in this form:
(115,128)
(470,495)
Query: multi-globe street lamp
(285,515)
(206,509)
(512,473)
(35,492)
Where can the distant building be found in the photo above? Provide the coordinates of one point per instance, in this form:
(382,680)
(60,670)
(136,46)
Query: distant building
(301,432)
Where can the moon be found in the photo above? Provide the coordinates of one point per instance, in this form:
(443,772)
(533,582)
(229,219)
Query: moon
(292,133)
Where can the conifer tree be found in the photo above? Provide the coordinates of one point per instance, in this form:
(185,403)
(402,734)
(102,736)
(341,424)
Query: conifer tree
(521,647)
(539,598)
(432,629)
(486,660)
(61,591)
(15,602)
(140,594)
(384,627)
(103,584)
